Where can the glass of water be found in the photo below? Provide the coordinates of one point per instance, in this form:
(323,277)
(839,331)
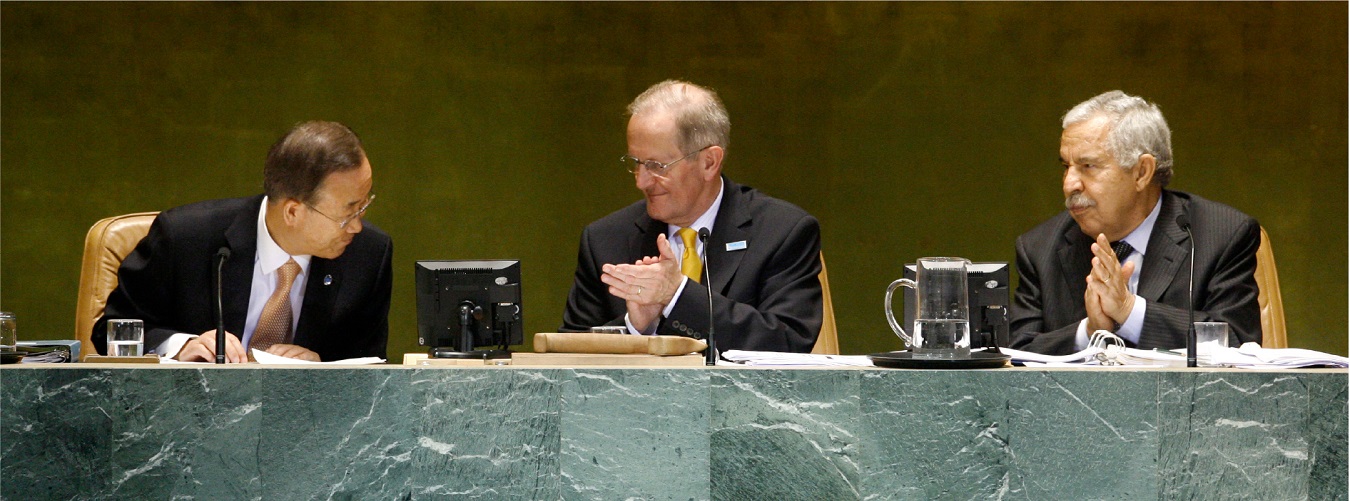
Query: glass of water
(126,338)
(1210,338)
(9,334)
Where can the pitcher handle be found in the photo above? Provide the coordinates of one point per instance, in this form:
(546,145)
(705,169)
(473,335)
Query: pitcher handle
(890,316)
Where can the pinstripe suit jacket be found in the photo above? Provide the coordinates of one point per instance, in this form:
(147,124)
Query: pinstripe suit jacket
(1054,259)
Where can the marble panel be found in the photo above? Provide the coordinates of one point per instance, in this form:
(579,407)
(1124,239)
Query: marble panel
(635,434)
(1008,435)
(785,434)
(1327,420)
(486,433)
(1233,435)
(150,434)
(208,425)
(334,434)
(56,434)
(1076,437)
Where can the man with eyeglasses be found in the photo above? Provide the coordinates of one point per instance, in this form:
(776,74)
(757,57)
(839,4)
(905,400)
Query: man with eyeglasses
(642,267)
(307,277)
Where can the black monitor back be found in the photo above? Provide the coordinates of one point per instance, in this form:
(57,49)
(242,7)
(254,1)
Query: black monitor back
(494,286)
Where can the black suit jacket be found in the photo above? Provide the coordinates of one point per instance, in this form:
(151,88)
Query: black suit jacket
(766,297)
(1054,259)
(168,282)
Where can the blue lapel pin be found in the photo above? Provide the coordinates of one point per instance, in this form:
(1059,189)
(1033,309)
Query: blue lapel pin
(328,280)
(735,246)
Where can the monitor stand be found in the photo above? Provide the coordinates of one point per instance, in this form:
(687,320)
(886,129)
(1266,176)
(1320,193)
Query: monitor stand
(468,314)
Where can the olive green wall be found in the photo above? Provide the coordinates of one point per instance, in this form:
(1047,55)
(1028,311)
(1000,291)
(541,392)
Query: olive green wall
(909,129)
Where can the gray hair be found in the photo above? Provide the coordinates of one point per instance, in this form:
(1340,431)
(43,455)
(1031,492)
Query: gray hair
(699,114)
(1137,127)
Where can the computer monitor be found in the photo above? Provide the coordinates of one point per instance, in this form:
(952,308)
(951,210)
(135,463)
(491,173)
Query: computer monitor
(987,288)
(464,305)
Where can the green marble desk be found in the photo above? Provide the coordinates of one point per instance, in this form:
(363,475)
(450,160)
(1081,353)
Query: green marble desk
(392,432)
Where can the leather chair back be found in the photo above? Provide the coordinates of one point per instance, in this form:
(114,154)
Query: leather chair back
(108,242)
(828,341)
(1273,334)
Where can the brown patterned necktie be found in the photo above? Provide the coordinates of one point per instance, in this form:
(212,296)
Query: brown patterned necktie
(274,324)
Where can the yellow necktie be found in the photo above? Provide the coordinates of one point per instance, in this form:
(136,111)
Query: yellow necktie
(690,264)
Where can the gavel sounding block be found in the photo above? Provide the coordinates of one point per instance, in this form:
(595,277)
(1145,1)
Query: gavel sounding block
(590,342)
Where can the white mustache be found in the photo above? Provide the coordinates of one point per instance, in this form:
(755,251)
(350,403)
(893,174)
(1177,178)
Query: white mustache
(1077,200)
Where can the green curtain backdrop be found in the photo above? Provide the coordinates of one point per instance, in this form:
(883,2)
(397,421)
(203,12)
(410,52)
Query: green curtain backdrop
(909,129)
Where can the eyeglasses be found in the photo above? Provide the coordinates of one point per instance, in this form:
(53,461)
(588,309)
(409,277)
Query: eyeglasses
(632,163)
(342,223)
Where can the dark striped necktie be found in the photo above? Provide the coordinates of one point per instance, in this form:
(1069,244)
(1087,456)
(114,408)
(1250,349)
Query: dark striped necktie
(1123,250)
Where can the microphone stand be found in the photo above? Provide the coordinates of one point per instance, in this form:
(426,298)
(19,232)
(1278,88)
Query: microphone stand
(222,255)
(1185,223)
(710,355)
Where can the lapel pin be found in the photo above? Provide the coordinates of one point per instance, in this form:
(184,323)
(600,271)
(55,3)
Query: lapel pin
(328,280)
(735,246)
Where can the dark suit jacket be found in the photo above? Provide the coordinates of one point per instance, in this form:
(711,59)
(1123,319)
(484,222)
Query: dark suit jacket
(766,297)
(1053,261)
(168,282)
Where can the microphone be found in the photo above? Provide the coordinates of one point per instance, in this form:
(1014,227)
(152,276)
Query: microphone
(710,356)
(222,255)
(1185,223)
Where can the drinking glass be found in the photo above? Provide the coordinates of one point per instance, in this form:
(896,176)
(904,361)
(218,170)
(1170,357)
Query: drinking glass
(1209,337)
(126,338)
(9,333)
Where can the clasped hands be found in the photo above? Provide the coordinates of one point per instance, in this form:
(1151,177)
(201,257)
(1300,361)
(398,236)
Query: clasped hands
(647,285)
(1108,298)
(203,349)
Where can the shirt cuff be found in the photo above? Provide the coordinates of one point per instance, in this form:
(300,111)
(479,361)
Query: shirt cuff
(651,329)
(671,306)
(665,312)
(1080,342)
(170,347)
(1133,325)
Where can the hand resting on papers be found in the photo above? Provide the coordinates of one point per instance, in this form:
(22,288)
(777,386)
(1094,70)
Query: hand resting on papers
(203,349)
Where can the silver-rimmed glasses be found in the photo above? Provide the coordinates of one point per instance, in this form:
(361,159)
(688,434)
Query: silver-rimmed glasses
(659,169)
(342,223)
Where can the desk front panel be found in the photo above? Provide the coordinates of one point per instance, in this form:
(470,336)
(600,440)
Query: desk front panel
(428,433)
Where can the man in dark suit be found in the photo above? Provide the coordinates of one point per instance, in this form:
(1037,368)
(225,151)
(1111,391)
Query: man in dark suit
(642,266)
(306,277)
(1116,260)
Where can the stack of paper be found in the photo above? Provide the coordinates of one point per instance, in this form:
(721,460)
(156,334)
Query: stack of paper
(267,358)
(1253,356)
(1249,356)
(776,359)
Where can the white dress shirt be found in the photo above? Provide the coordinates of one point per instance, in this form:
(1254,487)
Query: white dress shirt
(266,261)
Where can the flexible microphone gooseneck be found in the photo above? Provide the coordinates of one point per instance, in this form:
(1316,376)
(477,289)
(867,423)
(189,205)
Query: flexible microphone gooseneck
(222,255)
(1185,224)
(710,356)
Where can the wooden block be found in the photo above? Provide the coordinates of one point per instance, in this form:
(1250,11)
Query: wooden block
(104,359)
(590,342)
(604,360)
